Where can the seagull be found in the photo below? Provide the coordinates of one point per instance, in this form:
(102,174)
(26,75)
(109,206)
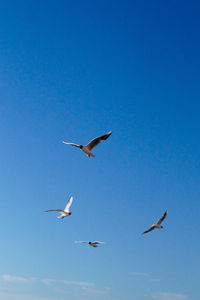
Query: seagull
(93,244)
(86,149)
(157,225)
(63,213)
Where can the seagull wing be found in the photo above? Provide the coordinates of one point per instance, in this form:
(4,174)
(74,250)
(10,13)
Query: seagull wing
(58,210)
(150,229)
(97,242)
(82,242)
(68,204)
(72,144)
(162,218)
(97,140)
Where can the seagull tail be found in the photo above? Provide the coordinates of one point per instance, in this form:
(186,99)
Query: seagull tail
(91,155)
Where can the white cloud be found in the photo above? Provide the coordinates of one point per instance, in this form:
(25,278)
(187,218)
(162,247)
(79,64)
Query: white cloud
(107,288)
(169,296)
(96,291)
(17,279)
(68,282)
(48,281)
(10,296)
(79,283)
(87,287)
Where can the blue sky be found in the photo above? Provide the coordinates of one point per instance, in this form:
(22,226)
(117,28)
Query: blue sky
(74,70)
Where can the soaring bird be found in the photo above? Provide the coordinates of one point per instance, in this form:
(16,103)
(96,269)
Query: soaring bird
(63,213)
(157,225)
(87,148)
(93,244)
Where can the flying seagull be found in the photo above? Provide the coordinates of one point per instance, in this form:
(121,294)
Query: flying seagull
(63,213)
(157,225)
(87,148)
(93,244)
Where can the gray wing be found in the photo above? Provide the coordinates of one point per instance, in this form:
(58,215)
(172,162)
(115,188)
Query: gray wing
(72,144)
(97,242)
(58,210)
(68,204)
(81,242)
(162,218)
(97,140)
(148,230)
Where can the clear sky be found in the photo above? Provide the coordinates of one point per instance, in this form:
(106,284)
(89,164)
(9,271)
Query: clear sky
(74,70)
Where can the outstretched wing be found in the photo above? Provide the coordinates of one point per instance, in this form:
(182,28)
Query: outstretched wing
(148,230)
(72,144)
(97,140)
(81,242)
(58,210)
(68,204)
(162,218)
(97,242)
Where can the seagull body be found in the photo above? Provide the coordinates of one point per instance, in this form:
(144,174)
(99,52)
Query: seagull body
(93,244)
(63,213)
(87,148)
(157,225)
